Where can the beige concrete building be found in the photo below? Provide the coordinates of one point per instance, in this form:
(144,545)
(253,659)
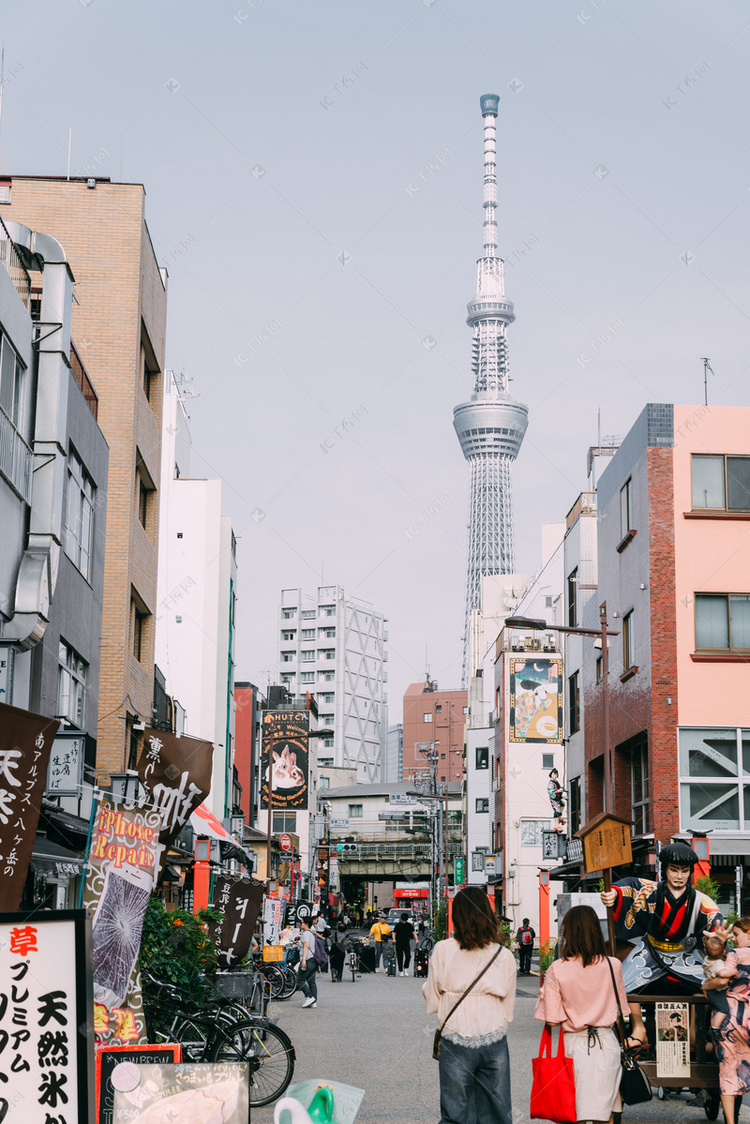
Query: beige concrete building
(119,323)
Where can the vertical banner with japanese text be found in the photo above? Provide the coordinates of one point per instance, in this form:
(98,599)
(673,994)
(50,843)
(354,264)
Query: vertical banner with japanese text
(239,899)
(25,743)
(286,746)
(177,773)
(47,1055)
(123,861)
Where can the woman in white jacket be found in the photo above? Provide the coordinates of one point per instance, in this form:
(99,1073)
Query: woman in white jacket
(474,1063)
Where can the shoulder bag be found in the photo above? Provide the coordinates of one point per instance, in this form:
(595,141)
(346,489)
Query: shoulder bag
(439,1031)
(635,1087)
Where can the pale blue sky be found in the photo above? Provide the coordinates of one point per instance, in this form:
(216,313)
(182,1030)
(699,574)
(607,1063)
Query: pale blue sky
(274,137)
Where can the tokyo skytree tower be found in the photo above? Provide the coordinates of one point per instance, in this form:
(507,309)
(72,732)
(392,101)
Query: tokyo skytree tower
(491,426)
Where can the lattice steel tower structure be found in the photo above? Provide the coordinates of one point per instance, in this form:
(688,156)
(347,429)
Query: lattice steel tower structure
(491,426)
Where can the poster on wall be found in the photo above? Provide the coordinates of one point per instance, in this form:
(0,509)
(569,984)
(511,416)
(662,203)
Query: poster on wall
(25,743)
(110,1059)
(536,700)
(285,739)
(123,861)
(672,1040)
(47,1055)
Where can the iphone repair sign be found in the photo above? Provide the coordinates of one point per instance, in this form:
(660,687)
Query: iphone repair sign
(46,1060)
(122,863)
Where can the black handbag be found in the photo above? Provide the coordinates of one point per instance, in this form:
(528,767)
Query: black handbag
(439,1031)
(635,1087)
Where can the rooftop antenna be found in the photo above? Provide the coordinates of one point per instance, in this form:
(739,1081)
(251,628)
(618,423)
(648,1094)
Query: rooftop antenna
(70,142)
(706,368)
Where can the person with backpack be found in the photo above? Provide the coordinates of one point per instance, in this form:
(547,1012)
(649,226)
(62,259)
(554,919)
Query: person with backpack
(525,939)
(309,962)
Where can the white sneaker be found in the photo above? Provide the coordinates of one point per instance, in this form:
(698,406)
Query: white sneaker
(310,1002)
(377,969)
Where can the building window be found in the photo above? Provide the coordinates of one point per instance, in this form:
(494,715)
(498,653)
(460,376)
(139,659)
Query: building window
(307,677)
(628,642)
(79,514)
(284,821)
(308,633)
(288,614)
(466,710)
(442,757)
(438,709)
(324,782)
(531,832)
(308,614)
(329,633)
(139,633)
(714,779)
(355,811)
(721,483)
(326,676)
(722,621)
(599,669)
(574,704)
(639,788)
(625,512)
(288,634)
(482,757)
(573,599)
(287,657)
(482,804)
(427,717)
(308,657)
(574,805)
(71,685)
(328,743)
(11,383)
(548,602)
(548,760)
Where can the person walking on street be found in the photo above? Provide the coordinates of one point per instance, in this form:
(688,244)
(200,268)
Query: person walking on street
(308,966)
(380,932)
(579,995)
(403,933)
(472,986)
(525,939)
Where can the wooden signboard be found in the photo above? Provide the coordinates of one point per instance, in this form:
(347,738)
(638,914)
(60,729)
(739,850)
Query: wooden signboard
(606,842)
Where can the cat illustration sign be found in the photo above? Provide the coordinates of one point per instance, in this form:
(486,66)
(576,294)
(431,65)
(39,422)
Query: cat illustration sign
(285,759)
(285,842)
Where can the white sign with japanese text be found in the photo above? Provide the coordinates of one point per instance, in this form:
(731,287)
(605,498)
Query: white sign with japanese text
(44,1025)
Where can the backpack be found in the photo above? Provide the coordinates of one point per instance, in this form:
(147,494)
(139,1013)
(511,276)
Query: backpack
(526,937)
(320,953)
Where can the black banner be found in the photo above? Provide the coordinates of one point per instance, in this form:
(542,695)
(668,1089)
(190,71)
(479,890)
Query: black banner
(239,899)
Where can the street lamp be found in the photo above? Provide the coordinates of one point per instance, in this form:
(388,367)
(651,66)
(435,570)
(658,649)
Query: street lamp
(273,738)
(538,625)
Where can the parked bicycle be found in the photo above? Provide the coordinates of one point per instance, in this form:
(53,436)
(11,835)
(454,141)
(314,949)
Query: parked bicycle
(219,1030)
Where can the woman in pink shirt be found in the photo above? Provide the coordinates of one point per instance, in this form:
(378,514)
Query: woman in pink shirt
(579,995)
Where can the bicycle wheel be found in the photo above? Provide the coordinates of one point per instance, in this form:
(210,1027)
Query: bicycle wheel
(268,1051)
(194,1036)
(275,977)
(291,983)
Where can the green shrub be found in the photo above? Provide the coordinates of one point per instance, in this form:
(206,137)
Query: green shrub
(546,956)
(176,947)
(706,885)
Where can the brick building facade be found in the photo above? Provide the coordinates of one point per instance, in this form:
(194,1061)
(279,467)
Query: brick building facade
(119,324)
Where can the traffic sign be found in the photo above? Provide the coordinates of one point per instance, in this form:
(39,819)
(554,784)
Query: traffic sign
(296,875)
(285,842)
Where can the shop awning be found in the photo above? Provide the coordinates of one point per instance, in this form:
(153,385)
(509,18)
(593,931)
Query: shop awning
(205,824)
(51,858)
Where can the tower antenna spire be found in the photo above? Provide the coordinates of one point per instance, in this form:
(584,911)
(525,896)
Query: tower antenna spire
(706,368)
(491,426)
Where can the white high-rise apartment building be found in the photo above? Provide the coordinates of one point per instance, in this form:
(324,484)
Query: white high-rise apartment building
(334,647)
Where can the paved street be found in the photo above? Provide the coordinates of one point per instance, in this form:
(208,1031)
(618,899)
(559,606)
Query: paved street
(375,1034)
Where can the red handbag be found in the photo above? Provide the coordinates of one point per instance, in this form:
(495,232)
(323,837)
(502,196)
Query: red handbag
(553,1090)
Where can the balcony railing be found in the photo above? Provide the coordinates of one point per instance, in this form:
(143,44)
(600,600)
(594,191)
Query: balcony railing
(84,382)
(584,505)
(16,458)
(14,266)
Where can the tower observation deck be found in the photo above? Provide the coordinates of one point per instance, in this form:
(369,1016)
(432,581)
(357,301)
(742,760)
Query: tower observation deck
(491,425)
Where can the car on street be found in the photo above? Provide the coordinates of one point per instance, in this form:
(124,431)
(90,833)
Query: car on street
(394,916)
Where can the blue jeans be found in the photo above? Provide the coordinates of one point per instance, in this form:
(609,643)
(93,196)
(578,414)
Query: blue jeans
(474,1083)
